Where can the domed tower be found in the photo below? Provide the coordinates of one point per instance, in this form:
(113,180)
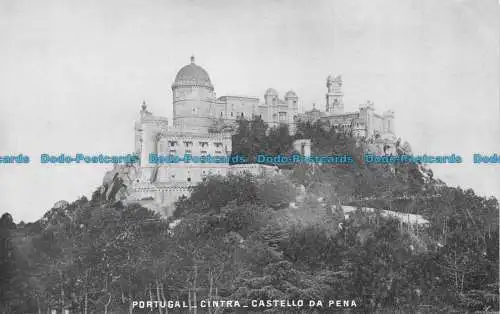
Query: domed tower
(292,100)
(271,97)
(193,97)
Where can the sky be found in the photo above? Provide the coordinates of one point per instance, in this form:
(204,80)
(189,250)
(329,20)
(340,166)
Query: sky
(73,75)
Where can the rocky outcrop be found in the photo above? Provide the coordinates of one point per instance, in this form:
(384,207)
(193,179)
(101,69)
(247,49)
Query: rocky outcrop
(116,182)
(60,205)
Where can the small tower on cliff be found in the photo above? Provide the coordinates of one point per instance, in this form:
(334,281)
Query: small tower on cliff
(389,121)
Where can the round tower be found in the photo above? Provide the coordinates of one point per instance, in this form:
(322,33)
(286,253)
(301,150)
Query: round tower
(193,97)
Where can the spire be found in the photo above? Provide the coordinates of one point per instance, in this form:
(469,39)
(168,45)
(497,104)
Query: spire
(192,59)
(144,111)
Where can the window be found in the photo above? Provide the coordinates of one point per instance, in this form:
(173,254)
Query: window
(221,113)
(172,143)
(218,147)
(282,116)
(231,113)
(242,115)
(189,179)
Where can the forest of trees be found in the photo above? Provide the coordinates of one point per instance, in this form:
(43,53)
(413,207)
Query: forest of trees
(237,238)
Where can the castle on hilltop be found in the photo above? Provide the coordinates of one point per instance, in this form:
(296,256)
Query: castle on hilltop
(202,125)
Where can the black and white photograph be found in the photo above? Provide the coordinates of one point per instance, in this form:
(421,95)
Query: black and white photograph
(249,156)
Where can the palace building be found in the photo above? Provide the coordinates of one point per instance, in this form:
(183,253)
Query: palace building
(202,125)
(197,108)
(364,123)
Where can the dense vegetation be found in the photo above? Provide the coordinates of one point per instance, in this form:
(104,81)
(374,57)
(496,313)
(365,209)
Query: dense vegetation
(243,238)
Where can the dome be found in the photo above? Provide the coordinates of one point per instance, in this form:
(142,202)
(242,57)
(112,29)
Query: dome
(271,92)
(192,75)
(290,94)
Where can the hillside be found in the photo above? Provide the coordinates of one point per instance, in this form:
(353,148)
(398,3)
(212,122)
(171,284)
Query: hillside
(281,238)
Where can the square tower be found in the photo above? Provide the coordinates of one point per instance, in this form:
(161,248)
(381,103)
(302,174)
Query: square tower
(335,96)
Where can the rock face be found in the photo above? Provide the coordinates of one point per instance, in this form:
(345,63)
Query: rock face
(404,149)
(115,182)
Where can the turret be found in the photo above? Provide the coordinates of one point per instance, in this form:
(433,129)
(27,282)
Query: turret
(271,97)
(138,127)
(366,116)
(389,121)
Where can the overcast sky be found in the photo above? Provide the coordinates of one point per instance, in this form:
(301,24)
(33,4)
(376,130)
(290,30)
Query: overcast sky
(73,74)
